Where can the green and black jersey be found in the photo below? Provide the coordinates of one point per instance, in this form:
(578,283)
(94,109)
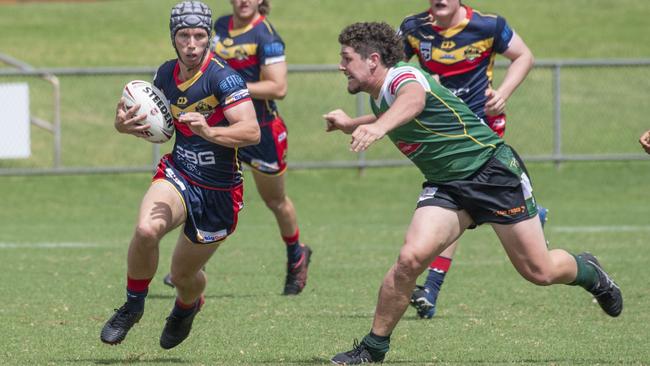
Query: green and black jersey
(447,141)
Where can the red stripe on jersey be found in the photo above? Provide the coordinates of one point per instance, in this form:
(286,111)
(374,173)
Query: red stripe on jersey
(457,68)
(237,102)
(249,61)
(399,79)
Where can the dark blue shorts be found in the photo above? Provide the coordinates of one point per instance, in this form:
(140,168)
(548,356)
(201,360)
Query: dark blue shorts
(269,156)
(211,212)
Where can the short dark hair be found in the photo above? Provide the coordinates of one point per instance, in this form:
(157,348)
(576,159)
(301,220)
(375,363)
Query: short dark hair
(265,7)
(368,37)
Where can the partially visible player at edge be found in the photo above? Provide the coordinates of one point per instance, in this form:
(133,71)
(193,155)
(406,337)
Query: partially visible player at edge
(199,185)
(250,45)
(644,140)
(471,178)
(459,45)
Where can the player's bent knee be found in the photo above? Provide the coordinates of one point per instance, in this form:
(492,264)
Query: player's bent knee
(147,234)
(409,264)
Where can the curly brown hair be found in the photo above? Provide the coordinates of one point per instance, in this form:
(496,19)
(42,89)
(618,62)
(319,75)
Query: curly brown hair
(265,7)
(368,37)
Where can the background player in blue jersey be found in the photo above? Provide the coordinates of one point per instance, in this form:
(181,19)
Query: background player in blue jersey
(459,45)
(198,185)
(472,178)
(250,45)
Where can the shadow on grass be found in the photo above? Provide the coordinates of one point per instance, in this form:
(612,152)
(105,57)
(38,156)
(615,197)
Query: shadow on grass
(127,361)
(172,295)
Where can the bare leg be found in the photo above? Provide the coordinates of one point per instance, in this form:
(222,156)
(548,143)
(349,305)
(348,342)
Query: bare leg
(271,189)
(186,268)
(526,247)
(161,211)
(432,229)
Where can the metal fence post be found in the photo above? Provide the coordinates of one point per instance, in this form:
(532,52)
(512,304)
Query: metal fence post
(557,116)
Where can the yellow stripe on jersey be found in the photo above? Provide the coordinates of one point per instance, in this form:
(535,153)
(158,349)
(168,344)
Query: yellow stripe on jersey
(239,51)
(204,105)
(268,26)
(187,83)
(460,120)
(450,32)
(218,62)
(460,54)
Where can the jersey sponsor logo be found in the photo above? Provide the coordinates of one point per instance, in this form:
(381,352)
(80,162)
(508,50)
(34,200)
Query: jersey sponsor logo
(169,173)
(273,49)
(265,166)
(237,96)
(181,101)
(231,82)
(447,45)
(208,237)
(408,148)
(190,157)
(511,211)
(282,136)
(228,42)
(425,50)
(472,53)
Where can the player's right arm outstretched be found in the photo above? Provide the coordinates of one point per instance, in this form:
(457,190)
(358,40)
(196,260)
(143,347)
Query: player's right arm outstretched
(339,120)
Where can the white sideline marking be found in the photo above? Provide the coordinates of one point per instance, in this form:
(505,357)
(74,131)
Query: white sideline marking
(600,229)
(46,245)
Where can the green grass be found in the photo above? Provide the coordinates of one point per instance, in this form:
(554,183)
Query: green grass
(55,300)
(487,314)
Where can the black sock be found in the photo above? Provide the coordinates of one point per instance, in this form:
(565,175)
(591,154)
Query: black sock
(135,300)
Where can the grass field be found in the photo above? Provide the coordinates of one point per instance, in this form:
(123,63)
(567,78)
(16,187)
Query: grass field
(63,238)
(64,244)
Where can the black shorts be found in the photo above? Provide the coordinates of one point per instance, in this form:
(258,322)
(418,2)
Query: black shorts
(499,192)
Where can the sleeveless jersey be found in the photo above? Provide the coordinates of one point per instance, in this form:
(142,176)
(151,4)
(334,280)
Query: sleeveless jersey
(215,88)
(463,55)
(446,141)
(246,50)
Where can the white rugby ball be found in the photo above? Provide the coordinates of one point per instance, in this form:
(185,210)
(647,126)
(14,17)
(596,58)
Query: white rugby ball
(154,104)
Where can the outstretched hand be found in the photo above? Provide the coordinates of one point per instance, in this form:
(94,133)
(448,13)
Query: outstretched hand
(644,140)
(364,136)
(338,120)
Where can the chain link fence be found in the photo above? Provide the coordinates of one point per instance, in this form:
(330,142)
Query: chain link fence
(564,111)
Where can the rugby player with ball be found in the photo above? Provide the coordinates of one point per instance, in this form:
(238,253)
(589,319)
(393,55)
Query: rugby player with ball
(199,185)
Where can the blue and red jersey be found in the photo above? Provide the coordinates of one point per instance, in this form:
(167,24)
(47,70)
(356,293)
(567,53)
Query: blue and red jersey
(463,55)
(215,88)
(246,50)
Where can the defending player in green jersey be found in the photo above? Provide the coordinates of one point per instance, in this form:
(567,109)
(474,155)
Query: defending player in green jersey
(472,178)
(446,141)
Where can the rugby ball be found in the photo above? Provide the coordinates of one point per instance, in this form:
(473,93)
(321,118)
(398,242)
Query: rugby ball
(154,104)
